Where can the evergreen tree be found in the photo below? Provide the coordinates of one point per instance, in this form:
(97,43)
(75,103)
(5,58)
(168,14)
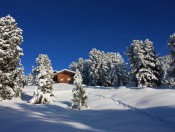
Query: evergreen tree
(118,72)
(11,69)
(168,64)
(73,66)
(94,56)
(164,64)
(99,69)
(103,69)
(171,45)
(42,75)
(29,79)
(144,70)
(83,66)
(19,80)
(79,97)
(85,73)
(80,65)
(134,52)
(150,63)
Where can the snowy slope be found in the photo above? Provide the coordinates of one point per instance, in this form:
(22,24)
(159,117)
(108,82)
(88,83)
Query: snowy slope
(111,110)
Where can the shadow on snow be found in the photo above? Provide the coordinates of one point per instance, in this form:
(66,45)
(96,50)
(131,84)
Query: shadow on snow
(52,118)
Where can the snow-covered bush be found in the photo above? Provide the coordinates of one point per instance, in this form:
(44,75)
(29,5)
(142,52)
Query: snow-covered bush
(142,58)
(11,70)
(79,96)
(42,76)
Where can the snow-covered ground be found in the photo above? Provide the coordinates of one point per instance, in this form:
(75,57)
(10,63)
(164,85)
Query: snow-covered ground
(110,110)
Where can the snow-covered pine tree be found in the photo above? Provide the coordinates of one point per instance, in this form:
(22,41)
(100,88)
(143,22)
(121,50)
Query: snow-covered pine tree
(83,66)
(104,70)
(11,70)
(118,72)
(142,58)
(19,80)
(171,72)
(80,65)
(99,69)
(79,97)
(94,57)
(42,75)
(133,53)
(73,66)
(171,46)
(167,78)
(152,76)
(29,79)
(85,72)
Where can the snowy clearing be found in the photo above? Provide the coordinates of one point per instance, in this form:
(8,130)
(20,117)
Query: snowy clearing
(110,110)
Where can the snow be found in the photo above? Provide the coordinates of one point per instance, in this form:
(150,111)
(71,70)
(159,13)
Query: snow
(65,70)
(110,110)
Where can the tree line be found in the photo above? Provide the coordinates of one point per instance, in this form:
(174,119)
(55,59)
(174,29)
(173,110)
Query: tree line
(145,68)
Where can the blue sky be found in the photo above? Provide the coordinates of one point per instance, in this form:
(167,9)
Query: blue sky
(68,29)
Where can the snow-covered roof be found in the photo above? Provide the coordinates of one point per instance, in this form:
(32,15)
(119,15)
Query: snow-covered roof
(65,70)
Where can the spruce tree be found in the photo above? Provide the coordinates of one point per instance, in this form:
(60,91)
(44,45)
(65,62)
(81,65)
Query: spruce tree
(94,56)
(85,72)
(152,74)
(99,69)
(103,69)
(29,79)
(133,53)
(79,97)
(165,64)
(11,69)
(170,62)
(171,45)
(118,72)
(42,76)
(73,66)
(144,69)
(83,66)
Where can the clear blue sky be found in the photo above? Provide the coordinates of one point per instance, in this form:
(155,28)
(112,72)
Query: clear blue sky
(68,29)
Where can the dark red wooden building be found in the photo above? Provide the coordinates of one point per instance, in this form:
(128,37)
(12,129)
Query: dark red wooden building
(64,76)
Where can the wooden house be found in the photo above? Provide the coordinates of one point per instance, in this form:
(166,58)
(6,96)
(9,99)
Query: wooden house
(64,76)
